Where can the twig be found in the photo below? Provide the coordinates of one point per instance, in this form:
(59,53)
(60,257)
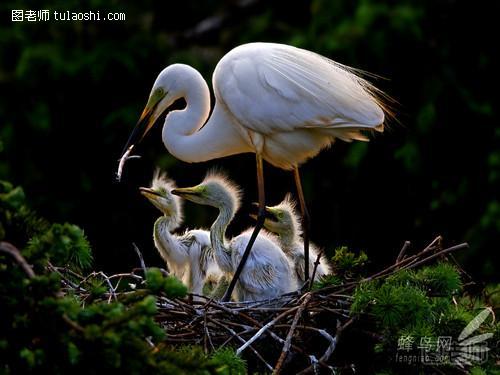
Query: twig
(296,348)
(333,344)
(414,259)
(13,251)
(402,253)
(111,288)
(279,339)
(439,253)
(141,259)
(234,334)
(435,242)
(316,264)
(264,328)
(288,340)
(63,277)
(72,324)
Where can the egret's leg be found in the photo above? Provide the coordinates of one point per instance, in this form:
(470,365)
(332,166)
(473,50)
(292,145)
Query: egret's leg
(305,221)
(258,226)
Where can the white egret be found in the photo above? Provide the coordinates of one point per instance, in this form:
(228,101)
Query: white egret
(283,220)
(188,256)
(268,272)
(280,102)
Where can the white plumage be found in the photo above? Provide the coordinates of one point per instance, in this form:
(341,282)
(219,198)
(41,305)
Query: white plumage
(280,102)
(283,220)
(188,256)
(268,272)
(298,100)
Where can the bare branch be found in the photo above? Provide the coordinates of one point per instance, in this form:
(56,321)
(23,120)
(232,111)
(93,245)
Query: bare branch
(141,259)
(288,340)
(11,250)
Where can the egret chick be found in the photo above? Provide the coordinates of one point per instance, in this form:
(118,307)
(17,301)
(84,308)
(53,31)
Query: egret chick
(188,256)
(268,272)
(283,220)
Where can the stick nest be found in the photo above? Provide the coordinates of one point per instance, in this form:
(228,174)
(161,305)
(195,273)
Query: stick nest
(300,329)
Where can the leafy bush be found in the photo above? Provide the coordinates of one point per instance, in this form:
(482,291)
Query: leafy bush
(42,330)
(423,305)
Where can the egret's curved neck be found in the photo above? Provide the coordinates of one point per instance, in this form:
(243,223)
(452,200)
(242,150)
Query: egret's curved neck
(172,221)
(218,237)
(184,135)
(288,239)
(169,246)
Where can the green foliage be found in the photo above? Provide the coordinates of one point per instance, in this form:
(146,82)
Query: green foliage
(477,371)
(327,280)
(347,263)
(223,361)
(169,285)
(442,279)
(393,305)
(420,304)
(364,297)
(18,223)
(227,362)
(492,294)
(42,330)
(65,244)
(407,297)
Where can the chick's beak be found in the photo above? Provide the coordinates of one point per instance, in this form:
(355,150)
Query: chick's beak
(148,192)
(185,192)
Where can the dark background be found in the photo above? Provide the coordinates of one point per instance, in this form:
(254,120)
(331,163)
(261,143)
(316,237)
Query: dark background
(71,92)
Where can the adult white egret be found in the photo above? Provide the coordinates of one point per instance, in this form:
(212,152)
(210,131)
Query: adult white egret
(280,102)
(188,256)
(283,220)
(268,272)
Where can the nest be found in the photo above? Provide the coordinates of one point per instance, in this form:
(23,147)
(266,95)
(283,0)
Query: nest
(303,328)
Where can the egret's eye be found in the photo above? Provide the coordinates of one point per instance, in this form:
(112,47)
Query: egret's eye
(157,95)
(280,215)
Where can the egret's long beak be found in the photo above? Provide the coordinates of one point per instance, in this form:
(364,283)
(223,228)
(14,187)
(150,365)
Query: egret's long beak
(186,192)
(147,119)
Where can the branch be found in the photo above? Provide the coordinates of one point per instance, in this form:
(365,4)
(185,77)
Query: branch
(316,264)
(401,255)
(141,259)
(234,334)
(265,328)
(72,324)
(331,348)
(288,340)
(11,250)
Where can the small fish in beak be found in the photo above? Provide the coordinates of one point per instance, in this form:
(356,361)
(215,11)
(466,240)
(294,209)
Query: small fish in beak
(122,161)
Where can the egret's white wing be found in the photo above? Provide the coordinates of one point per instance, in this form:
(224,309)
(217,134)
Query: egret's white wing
(277,88)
